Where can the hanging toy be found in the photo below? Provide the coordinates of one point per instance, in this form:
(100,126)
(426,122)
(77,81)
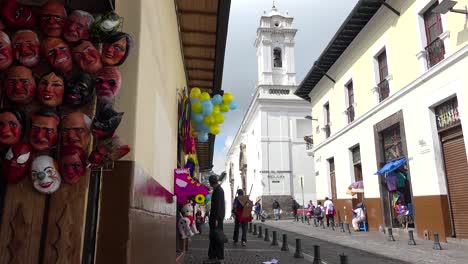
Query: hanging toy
(106,24)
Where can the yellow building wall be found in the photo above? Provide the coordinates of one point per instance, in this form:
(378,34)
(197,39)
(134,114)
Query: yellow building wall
(402,38)
(152,75)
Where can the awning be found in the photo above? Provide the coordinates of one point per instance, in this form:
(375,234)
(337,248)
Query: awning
(391,166)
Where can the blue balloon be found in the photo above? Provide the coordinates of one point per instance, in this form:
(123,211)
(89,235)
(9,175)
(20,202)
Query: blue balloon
(193,100)
(233,105)
(204,128)
(197,118)
(202,137)
(217,99)
(207,107)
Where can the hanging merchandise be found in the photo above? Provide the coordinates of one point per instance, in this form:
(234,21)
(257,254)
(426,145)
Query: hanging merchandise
(106,121)
(187,213)
(45,174)
(17,162)
(184,126)
(191,163)
(107,151)
(186,187)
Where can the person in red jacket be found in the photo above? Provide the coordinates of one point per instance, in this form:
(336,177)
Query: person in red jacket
(241,216)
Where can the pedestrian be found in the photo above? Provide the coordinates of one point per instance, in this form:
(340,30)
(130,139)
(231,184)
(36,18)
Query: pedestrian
(242,216)
(294,206)
(217,213)
(258,209)
(329,211)
(319,212)
(358,216)
(276,209)
(199,220)
(310,209)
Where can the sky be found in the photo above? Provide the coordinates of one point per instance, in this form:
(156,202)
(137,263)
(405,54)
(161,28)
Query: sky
(316,20)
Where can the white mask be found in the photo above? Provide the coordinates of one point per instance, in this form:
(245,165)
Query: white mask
(45,175)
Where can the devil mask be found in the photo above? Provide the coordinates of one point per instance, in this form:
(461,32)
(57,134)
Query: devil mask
(87,57)
(108,83)
(6,53)
(106,25)
(20,85)
(17,15)
(17,162)
(26,47)
(72,163)
(78,25)
(52,17)
(79,91)
(75,130)
(107,151)
(50,89)
(43,133)
(45,174)
(116,48)
(57,54)
(106,121)
(12,123)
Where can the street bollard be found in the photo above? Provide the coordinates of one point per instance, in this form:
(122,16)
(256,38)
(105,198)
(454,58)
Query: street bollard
(250,227)
(411,241)
(260,233)
(342,227)
(436,242)
(390,234)
(346,225)
(343,259)
(298,253)
(317,259)
(267,236)
(274,242)
(285,247)
(255,230)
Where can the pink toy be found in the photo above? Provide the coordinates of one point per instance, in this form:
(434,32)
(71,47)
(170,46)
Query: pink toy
(186,186)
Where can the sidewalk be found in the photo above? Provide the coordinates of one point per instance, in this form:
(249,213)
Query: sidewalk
(371,242)
(256,251)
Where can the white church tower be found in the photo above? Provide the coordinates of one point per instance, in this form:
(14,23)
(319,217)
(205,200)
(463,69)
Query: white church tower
(268,155)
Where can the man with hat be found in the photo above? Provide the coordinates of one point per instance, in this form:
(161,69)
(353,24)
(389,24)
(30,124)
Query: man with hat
(217,213)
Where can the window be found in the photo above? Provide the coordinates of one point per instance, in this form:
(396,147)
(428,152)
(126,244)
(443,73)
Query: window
(331,165)
(384,89)
(326,110)
(392,144)
(350,108)
(435,46)
(277,61)
(356,154)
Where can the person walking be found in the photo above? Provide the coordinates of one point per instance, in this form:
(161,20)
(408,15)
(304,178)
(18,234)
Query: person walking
(258,210)
(241,216)
(310,210)
(217,213)
(319,212)
(329,211)
(294,207)
(276,209)
(199,220)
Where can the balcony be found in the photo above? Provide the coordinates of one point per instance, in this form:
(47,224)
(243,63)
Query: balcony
(309,145)
(350,113)
(384,90)
(435,52)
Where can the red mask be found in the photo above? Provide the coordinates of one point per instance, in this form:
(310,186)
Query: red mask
(20,85)
(10,129)
(76,27)
(113,53)
(6,53)
(75,130)
(26,47)
(57,54)
(87,57)
(43,132)
(52,16)
(108,150)
(72,163)
(17,15)
(17,162)
(108,83)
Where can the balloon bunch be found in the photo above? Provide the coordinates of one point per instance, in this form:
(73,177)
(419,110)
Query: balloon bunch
(207,113)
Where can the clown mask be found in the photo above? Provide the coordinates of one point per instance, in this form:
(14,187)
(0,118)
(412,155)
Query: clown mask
(57,54)
(43,133)
(26,47)
(72,163)
(17,15)
(108,83)
(45,175)
(50,90)
(116,48)
(6,53)
(87,57)
(77,26)
(75,130)
(79,91)
(52,17)
(11,126)
(17,162)
(19,85)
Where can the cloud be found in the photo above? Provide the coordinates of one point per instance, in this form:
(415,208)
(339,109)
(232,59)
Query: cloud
(220,155)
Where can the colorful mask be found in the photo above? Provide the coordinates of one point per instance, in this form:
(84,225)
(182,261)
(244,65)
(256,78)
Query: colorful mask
(108,83)
(45,174)
(106,25)
(26,47)
(75,130)
(17,162)
(72,163)
(52,17)
(17,15)
(77,26)
(116,48)
(50,90)
(57,54)
(106,121)
(6,53)
(43,133)
(19,85)
(87,57)
(107,151)
(79,91)
(11,126)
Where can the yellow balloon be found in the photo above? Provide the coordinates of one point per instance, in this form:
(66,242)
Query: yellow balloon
(227,98)
(216,109)
(209,120)
(214,129)
(219,118)
(197,107)
(195,92)
(204,96)
(224,108)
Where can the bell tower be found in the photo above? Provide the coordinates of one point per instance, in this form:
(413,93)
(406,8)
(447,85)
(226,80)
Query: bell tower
(275,49)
